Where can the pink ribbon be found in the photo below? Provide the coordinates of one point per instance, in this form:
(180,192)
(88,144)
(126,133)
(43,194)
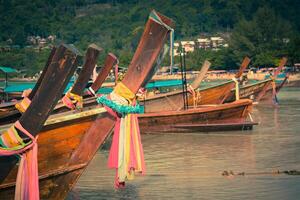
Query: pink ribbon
(27,183)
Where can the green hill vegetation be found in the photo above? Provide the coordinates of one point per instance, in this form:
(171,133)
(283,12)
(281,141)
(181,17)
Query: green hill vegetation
(265,30)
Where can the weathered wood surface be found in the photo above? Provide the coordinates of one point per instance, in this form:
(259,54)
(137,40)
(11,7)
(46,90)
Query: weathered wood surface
(74,142)
(63,65)
(91,58)
(196,83)
(212,95)
(92,54)
(8,109)
(243,66)
(249,91)
(61,69)
(225,126)
(261,90)
(110,61)
(173,100)
(269,85)
(166,121)
(39,81)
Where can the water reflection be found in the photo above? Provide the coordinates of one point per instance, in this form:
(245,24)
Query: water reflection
(189,166)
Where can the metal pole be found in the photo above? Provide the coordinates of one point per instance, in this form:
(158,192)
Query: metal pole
(182,80)
(185,83)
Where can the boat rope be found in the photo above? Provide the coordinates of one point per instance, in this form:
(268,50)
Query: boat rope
(73,101)
(274,92)
(126,152)
(154,16)
(27,182)
(250,116)
(237,89)
(23,105)
(196,95)
(230,173)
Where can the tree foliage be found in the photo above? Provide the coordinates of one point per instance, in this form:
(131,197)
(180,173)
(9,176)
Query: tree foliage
(262,29)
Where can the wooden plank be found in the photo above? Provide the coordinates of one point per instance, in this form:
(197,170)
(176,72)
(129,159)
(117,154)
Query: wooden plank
(243,66)
(268,85)
(200,77)
(147,52)
(62,67)
(280,66)
(91,58)
(110,61)
(39,81)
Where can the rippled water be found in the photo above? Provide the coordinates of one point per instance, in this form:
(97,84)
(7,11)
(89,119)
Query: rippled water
(189,166)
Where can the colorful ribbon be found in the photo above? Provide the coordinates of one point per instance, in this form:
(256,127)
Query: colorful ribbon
(72,101)
(126,152)
(27,182)
(23,105)
(237,89)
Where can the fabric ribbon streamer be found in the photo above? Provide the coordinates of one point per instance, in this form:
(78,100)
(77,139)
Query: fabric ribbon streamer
(23,105)
(72,101)
(154,16)
(237,89)
(27,182)
(126,152)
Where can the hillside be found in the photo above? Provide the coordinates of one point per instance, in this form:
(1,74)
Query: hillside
(264,30)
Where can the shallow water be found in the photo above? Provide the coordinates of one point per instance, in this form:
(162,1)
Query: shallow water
(190,166)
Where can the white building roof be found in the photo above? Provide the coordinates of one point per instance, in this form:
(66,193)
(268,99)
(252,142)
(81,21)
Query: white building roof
(187,42)
(216,39)
(203,40)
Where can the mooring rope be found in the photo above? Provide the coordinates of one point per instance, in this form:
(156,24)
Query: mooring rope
(277,172)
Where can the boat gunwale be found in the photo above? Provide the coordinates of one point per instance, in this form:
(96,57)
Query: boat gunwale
(212,107)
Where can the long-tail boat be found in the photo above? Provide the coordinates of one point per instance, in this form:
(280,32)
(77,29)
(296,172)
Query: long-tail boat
(63,65)
(11,113)
(258,90)
(69,140)
(211,95)
(204,118)
(5,108)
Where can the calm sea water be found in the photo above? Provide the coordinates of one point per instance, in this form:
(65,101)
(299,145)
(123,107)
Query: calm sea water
(190,166)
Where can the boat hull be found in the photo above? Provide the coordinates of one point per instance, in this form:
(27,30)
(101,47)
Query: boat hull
(65,149)
(170,121)
(174,100)
(252,91)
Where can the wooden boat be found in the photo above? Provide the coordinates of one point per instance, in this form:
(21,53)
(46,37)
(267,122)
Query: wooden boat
(64,63)
(210,95)
(261,90)
(9,113)
(204,118)
(69,141)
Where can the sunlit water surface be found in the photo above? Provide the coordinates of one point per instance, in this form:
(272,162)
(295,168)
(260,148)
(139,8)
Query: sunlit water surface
(190,166)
